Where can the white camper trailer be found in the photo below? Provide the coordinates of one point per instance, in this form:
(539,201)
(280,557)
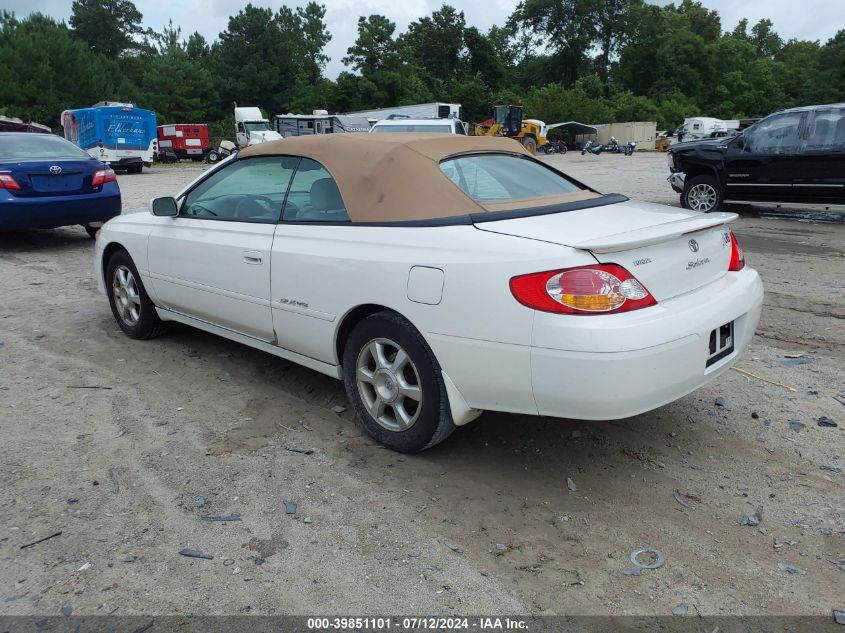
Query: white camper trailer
(435,110)
(699,127)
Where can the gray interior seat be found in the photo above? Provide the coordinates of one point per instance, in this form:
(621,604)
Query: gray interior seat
(325,195)
(326,202)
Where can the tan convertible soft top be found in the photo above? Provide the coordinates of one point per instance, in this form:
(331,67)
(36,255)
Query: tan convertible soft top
(396,177)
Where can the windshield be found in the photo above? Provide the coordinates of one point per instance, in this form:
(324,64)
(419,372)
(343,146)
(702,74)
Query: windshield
(410,127)
(36,146)
(257,126)
(504,177)
(500,113)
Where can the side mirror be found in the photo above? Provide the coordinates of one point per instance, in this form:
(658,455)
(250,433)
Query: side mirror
(164,207)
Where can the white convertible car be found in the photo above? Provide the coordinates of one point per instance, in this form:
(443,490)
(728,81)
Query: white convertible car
(439,276)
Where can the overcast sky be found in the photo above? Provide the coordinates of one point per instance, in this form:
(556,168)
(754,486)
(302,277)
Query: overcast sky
(803,19)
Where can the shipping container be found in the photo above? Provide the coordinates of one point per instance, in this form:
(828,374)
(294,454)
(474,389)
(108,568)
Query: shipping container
(643,133)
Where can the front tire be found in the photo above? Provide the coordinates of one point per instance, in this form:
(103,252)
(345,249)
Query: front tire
(530,144)
(130,304)
(394,384)
(213,156)
(702,193)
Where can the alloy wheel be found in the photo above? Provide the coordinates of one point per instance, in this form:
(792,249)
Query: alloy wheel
(127,300)
(701,197)
(389,384)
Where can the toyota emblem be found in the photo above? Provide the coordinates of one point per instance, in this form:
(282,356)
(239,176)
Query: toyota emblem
(55,169)
(693,246)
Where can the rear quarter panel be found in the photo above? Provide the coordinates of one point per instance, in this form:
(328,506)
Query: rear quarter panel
(479,333)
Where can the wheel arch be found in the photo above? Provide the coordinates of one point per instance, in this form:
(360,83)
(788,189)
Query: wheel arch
(110,249)
(352,318)
(693,169)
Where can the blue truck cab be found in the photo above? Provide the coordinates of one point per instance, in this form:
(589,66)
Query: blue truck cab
(115,133)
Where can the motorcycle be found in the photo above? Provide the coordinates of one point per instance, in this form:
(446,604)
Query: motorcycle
(629,148)
(592,148)
(613,146)
(554,147)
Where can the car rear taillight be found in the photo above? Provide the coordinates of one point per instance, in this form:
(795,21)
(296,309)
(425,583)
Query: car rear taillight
(598,289)
(7,182)
(737,256)
(102,176)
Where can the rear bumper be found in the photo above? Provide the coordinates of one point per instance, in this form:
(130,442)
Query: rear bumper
(606,367)
(123,163)
(636,365)
(53,211)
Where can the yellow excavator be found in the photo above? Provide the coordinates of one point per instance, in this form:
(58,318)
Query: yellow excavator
(507,121)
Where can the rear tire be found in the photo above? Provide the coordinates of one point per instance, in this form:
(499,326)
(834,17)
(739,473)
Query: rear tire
(702,193)
(130,304)
(213,156)
(393,381)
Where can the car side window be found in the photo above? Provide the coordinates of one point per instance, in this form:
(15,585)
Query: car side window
(314,196)
(826,131)
(777,134)
(248,190)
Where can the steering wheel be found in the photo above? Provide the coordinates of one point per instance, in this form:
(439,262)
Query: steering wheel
(197,208)
(292,210)
(254,207)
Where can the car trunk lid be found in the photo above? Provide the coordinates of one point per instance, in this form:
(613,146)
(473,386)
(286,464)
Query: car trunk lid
(44,178)
(671,251)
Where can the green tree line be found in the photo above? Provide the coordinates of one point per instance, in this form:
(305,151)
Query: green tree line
(587,60)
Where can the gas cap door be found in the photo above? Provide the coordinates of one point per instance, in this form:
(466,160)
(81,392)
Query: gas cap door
(425,285)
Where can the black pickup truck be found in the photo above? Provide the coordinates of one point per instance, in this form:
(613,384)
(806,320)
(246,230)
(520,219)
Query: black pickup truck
(792,157)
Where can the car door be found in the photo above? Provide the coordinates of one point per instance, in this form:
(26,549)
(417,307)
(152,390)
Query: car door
(307,249)
(760,164)
(820,168)
(212,261)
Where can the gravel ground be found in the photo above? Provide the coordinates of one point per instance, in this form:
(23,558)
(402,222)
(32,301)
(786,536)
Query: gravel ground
(121,447)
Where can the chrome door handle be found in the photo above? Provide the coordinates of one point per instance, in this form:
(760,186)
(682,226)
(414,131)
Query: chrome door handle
(252,258)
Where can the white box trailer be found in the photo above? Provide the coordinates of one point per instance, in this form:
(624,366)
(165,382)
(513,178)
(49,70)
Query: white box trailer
(435,110)
(641,132)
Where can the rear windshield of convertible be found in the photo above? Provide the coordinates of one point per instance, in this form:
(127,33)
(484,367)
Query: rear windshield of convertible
(504,177)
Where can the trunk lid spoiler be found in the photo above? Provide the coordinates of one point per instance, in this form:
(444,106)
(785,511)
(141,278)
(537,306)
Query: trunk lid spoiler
(649,235)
